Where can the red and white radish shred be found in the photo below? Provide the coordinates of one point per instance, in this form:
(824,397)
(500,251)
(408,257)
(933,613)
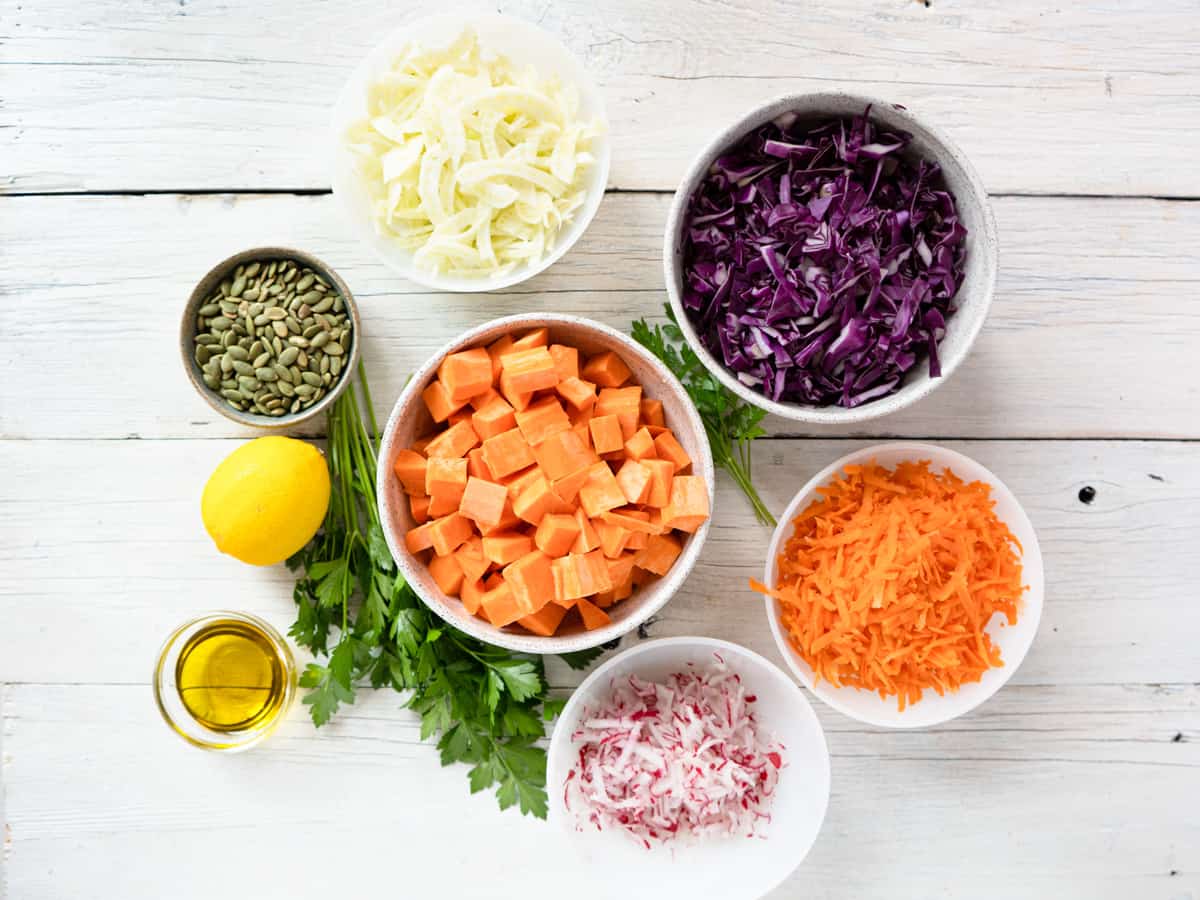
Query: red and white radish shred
(675,760)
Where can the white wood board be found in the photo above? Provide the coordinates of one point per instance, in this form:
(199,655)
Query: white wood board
(1096,96)
(1093,332)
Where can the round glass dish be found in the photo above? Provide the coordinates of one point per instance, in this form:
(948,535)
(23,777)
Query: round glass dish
(224,639)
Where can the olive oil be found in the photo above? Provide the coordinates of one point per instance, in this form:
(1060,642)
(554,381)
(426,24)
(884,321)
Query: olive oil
(231,677)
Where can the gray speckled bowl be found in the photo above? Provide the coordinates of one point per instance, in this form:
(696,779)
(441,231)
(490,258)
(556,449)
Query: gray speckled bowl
(979,276)
(205,288)
(410,420)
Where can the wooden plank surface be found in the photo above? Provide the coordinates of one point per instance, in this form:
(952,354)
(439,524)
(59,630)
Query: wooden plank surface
(1096,96)
(1092,332)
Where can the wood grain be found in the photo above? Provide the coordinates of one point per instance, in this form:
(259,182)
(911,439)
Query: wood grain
(1096,97)
(1091,333)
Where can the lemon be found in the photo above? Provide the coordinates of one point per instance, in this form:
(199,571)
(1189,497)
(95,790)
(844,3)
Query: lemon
(266,499)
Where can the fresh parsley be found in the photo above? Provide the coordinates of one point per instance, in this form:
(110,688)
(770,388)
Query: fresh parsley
(731,423)
(360,618)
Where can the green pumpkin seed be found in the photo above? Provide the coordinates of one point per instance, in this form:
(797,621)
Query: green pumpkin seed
(320,340)
(339,305)
(265,374)
(323,305)
(295,407)
(275,313)
(285,389)
(335,365)
(311,378)
(211,380)
(280,329)
(206,339)
(243,368)
(238,353)
(248,384)
(255,310)
(302,360)
(228,339)
(255,349)
(226,365)
(220,325)
(305,390)
(275,289)
(282,372)
(261,360)
(297,341)
(289,355)
(304,284)
(203,354)
(261,319)
(253,269)
(239,285)
(277,345)
(334,349)
(231,394)
(209,310)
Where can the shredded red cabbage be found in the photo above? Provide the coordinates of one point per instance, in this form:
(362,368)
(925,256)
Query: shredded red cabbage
(819,263)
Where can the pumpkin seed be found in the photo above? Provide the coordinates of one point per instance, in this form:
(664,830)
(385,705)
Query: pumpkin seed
(242,368)
(323,305)
(225,286)
(275,313)
(311,378)
(238,353)
(254,310)
(304,312)
(282,372)
(219,325)
(275,289)
(285,388)
(335,366)
(226,365)
(211,380)
(228,339)
(325,364)
(239,285)
(208,310)
(327,378)
(305,390)
(289,355)
(311,331)
(231,394)
(280,329)
(229,383)
(275,413)
(302,359)
(289,276)
(202,354)
(265,374)
(277,345)
(255,349)
(304,284)
(253,269)
(339,305)
(262,359)
(297,341)
(206,339)
(334,349)
(295,407)
(320,339)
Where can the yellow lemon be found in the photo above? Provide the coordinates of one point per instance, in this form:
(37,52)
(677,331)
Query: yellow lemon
(266,499)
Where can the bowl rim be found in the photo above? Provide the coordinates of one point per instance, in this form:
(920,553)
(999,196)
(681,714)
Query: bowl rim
(579,696)
(187,331)
(1031,559)
(987,244)
(475,627)
(596,189)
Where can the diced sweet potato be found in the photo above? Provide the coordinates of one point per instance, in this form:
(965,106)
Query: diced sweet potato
(593,573)
(529,370)
(493,418)
(613,538)
(659,555)
(605,369)
(541,420)
(536,500)
(587,540)
(563,454)
(545,621)
(652,412)
(506,453)
(625,404)
(502,549)
(637,540)
(667,447)
(620,571)
(448,533)
(463,415)
(531,580)
(567,488)
(455,441)
(600,492)
(641,446)
(421,444)
(662,473)
(556,534)
(536,337)
(593,616)
(501,606)
(606,434)
(565,581)
(480,400)
(476,466)
(580,395)
(471,595)
(688,508)
(420,509)
(515,484)
(496,349)
(566,361)
(635,481)
(516,399)
(419,538)
(438,402)
(483,501)
(445,481)
(409,467)
(471,559)
(466,374)
(447,573)
(633,520)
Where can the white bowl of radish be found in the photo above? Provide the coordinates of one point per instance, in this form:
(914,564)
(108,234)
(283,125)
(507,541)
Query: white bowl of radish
(625,748)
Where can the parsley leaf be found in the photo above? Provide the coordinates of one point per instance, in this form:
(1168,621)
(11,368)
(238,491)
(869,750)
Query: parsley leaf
(581,659)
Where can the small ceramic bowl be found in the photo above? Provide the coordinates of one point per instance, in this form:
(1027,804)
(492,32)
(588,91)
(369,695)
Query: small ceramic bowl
(733,868)
(205,289)
(410,420)
(1014,641)
(525,44)
(974,295)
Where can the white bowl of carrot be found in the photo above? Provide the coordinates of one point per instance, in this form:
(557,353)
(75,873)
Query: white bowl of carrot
(545,483)
(906,585)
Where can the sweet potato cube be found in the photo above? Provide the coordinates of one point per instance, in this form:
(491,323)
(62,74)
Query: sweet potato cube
(508,521)
(579,394)
(454,442)
(516,399)
(659,555)
(471,595)
(493,417)
(536,500)
(605,369)
(515,484)
(625,404)
(421,444)
(480,400)
(652,413)
(635,481)
(496,349)
(466,374)
(463,415)
(438,402)
(476,467)
(593,616)
(606,434)
(537,337)
(667,447)
(447,573)
(662,473)
(501,606)
(531,580)
(620,571)
(637,540)
(587,540)
(633,520)
(545,621)
(483,501)
(600,492)
(506,453)
(567,488)
(445,481)
(566,361)
(503,548)
(471,559)
(419,538)
(409,467)
(566,582)
(563,453)
(688,508)
(593,573)
(529,370)
(613,538)
(449,533)
(641,446)
(420,509)
(556,534)
(541,420)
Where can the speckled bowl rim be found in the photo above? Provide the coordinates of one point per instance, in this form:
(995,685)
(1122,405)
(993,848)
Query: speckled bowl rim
(409,565)
(207,284)
(986,244)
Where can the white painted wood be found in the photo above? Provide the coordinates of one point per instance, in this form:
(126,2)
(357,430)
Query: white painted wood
(1091,334)
(104,553)
(1097,96)
(1046,791)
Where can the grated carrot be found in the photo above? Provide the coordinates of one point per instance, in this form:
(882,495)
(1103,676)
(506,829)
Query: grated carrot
(889,581)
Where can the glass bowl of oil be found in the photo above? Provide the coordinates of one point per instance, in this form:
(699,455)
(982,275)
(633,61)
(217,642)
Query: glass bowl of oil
(224,681)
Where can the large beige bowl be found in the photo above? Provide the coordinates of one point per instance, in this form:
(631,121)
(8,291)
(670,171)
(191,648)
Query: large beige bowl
(410,420)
